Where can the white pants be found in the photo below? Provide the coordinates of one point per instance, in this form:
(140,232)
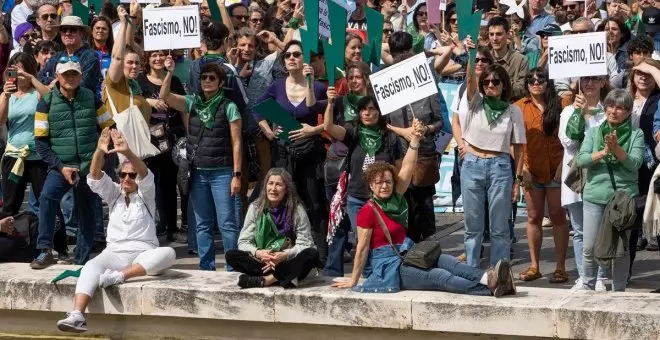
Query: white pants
(153,261)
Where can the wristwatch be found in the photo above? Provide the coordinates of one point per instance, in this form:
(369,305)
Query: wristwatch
(237,174)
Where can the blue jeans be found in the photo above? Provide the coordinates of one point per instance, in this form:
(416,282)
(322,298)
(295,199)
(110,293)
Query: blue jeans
(334,266)
(192,230)
(70,220)
(210,196)
(487,179)
(84,201)
(449,276)
(591,223)
(33,203)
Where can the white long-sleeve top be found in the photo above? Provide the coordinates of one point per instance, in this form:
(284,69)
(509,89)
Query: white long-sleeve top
(132,226)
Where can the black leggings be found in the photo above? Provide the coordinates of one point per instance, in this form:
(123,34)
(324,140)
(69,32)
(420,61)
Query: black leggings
(295,268)
(34,172)
(165,172)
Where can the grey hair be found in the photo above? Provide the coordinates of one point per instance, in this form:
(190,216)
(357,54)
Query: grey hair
(244,32)
(39,3)
(291,200)
(583,20)
(619,98)
(257,10)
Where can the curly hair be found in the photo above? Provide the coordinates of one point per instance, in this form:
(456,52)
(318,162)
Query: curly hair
(377,169)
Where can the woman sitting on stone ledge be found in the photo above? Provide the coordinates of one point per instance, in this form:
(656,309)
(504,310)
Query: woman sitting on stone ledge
(132,249)
(388,210)
(275,245)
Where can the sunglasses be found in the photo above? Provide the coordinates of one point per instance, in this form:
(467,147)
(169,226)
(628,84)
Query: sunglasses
(494,82)
(241,17)
(296,55)
(256,20)
(45,16)
(131,175)
(536,81)
(453,20)
(33,35)
(387,31)
(209,77)
(573,6)
(482,60)
(65,59)
(69,29)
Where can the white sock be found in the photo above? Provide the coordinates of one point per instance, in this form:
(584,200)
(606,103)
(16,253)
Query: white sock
(484,279)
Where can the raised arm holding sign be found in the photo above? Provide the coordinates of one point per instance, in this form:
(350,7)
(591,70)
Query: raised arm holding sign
(170,28)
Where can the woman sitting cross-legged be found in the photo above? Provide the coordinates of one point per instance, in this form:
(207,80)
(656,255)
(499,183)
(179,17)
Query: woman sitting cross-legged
(388,210)
(132,248)
(275,244)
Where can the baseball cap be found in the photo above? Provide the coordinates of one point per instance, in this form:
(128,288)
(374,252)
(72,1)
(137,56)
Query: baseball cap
(65,64)
(651,20)
(550,29)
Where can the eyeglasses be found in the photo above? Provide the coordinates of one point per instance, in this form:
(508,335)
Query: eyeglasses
(571,7)
(131,175)
(494,82)
(295,54)
(45,16)
(381,183)
(422,14)
(589,79)
(453,20)
(65,59)
(209,77)
(387,31)
(536,81)
(241,17)
(69,29)
(256,20)
(33,35)
(482,60)
(204,8)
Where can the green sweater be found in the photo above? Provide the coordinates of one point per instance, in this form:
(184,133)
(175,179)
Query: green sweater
(599,186)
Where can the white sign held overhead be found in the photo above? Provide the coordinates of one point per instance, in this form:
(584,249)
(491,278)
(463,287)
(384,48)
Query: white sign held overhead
(141,2)
(443,5)
(324,16)
(577,55)
(403,83)
(170,28)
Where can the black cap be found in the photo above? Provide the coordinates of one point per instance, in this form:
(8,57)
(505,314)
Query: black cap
(651,20)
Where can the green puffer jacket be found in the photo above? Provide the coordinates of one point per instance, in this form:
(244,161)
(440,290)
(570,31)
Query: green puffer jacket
(73,128)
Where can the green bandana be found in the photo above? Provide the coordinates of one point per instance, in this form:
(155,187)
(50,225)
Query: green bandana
(266,235)
(623,133)
(577,125)
(206,110)
(371,138)
(494,108)
(395,207)
(134,86)
(350,106)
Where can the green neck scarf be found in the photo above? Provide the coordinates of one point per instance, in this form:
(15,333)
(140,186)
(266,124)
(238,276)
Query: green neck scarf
(134,86)
(266,234)
(350,106)
(576,125)
(494,108)
(623,133)
(206,110)
(395,207)
(371,138)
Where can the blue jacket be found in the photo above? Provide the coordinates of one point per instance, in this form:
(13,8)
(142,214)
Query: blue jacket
(89,63)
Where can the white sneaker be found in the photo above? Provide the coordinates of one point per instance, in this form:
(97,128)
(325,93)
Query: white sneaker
(600,285)
(75,322)
(110,277)
(580,285)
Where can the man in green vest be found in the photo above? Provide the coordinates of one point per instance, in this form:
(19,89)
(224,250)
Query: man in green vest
(66,130)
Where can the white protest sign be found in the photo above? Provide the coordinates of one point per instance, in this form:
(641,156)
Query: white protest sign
(403,83)
(443,5)
(577,55)
(171,28)
(324,19)
(141,2)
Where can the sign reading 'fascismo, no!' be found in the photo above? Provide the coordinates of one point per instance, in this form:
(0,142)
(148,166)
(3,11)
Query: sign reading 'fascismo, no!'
(170,28)
(578,55)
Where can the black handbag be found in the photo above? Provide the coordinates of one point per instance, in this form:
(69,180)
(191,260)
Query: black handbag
(423,255)
(186,165)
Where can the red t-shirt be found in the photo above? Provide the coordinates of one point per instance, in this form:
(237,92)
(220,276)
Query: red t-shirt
(367,219)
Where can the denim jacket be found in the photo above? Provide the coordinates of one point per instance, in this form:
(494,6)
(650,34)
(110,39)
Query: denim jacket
(384,277)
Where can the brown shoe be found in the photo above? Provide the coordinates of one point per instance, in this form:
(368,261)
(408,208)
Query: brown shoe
(530,274)
(44,260)
(499,277)
(510,286)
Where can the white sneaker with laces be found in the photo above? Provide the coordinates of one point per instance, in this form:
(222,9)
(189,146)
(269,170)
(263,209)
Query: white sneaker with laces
(110,277)
(600,285)
(75,322)
(580,285)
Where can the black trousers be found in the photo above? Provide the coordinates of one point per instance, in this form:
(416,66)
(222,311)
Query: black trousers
(14,249)
(34,172)
(421,217)
(165,171)
(296,268)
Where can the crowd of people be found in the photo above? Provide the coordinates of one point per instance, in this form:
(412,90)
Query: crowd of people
(91,119)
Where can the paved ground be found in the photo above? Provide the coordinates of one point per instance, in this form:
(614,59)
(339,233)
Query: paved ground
(646,270)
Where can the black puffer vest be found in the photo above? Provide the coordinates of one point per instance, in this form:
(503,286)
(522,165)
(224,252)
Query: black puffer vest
(215,149)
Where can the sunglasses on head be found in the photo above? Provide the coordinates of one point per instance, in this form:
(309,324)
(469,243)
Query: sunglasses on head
(45,16)
(209,77)
(65,59)
(131,175)
(536,80)
(295,54)
(494,81)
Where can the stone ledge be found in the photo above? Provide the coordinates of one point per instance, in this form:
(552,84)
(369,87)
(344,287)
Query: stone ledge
(537,312)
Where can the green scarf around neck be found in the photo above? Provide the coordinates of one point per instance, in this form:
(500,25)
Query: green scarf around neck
(371,138)
(206,110)
(395,207)
(350,106)
(266,235)
(494,108)
(623,133)
(576,125)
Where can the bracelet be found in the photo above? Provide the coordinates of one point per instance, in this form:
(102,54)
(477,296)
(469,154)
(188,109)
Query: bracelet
(413,147)
(294,23)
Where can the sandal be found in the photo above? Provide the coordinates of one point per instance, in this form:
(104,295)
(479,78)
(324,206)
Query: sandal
(462,258)
(559,276)
(530,274)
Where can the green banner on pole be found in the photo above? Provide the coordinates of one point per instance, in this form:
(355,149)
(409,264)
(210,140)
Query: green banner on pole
(373,45)
(469,23)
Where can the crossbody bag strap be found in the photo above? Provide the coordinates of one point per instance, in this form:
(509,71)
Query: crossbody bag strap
(384,228)
(611,172)
(110,101)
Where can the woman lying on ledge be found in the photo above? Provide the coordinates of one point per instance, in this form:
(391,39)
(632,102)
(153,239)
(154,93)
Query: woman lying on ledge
(275,245)
(387,206)
(132,249)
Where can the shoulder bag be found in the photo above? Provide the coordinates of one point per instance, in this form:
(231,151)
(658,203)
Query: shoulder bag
(621,208)
(576,177)
(186,164)
(423,255)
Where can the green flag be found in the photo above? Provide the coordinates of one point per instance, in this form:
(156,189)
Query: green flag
(81,11)
(274,113)
(373,46)
(334,53)
(468,24)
